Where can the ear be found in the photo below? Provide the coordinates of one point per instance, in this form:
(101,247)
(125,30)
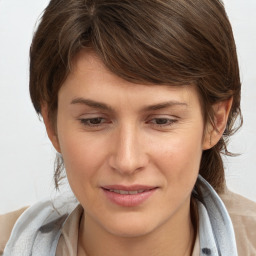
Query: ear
(51,131)
(213,134)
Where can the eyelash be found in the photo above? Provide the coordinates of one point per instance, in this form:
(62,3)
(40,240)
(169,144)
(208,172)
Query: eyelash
(87,120)
(169,122)
(166,122)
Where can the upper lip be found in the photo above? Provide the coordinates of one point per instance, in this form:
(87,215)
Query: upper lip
(128,188)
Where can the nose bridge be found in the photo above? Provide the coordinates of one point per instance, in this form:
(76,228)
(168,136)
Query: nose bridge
(129,154)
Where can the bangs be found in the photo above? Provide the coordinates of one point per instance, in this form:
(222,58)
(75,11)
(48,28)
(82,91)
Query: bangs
(144,41)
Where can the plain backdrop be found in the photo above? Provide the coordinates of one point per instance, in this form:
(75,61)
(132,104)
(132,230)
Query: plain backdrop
(26,155)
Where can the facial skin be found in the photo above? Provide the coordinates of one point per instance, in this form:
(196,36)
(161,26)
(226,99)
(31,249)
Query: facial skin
(113,132)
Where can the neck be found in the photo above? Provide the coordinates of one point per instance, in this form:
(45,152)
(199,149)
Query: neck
(173,238)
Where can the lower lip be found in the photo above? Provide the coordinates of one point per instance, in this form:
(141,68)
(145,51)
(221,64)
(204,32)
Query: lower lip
(128,200)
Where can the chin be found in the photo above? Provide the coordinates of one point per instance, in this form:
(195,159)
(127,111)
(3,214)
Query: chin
(131,231)
(131,227)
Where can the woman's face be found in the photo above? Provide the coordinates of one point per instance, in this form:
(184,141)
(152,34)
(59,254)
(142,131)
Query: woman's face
(131,151)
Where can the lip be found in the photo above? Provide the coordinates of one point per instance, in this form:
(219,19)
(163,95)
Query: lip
(128,200)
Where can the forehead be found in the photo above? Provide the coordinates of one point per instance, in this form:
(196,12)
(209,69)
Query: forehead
(89,78)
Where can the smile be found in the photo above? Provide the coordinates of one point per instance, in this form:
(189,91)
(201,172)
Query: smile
(128,196)
(125,192)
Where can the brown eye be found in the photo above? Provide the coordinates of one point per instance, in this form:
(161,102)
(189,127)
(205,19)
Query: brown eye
(93,121)
(161,121)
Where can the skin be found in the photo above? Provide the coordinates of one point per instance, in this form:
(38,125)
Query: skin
(149,135)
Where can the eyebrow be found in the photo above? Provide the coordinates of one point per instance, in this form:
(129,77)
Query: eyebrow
(91,103)
(164,105)
(103,106)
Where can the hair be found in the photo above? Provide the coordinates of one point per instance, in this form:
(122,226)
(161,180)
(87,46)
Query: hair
(173,42)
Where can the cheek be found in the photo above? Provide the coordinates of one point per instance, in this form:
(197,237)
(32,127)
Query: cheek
(178,158)
(82,158)
(179,149)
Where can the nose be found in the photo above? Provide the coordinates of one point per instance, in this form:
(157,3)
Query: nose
(129,153)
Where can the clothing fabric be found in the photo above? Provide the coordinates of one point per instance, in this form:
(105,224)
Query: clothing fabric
(69,236)
(7,222)
(51,228)
(243,215)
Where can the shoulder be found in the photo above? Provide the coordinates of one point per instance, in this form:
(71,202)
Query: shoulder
(243,215)
(7,222)
(38,227)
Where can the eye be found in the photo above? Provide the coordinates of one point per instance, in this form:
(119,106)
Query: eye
(162,121)
(93,122)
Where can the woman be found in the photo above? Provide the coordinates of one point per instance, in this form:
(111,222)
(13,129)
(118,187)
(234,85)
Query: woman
(139,99)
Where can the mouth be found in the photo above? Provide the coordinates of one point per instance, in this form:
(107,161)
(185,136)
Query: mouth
(128,192)
(130,196)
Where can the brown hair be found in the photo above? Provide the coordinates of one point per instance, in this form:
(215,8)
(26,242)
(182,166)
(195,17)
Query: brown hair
(176,42)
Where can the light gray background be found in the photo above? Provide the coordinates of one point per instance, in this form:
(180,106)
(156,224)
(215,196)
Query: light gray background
(26,155)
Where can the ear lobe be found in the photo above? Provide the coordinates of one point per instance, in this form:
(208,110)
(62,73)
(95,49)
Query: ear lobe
(214,132)
(51,131)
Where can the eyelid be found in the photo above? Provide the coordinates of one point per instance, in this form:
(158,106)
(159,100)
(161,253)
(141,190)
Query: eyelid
(91,114)
(85,122)
(170,120)
(163,116)
(91,118)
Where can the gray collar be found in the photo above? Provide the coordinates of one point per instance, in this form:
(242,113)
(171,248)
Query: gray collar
(216,233)
(38,229)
